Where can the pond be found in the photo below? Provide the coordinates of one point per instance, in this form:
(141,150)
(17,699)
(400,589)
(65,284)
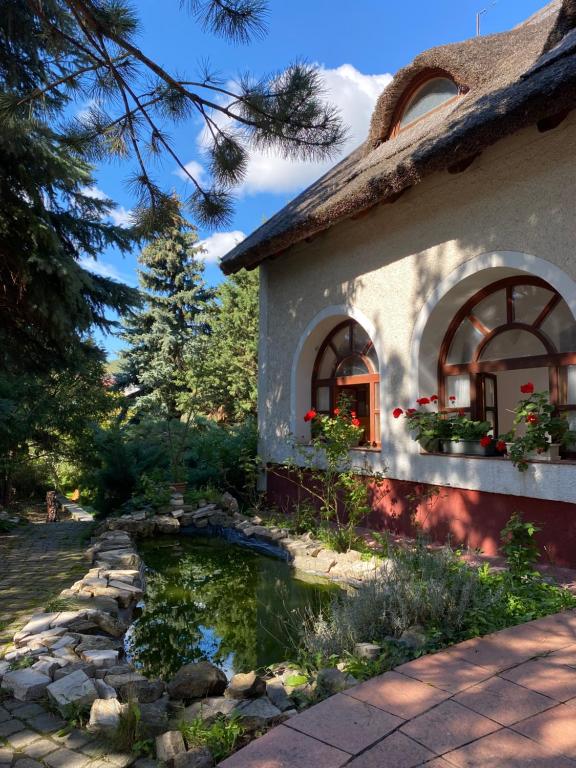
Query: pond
(208,598)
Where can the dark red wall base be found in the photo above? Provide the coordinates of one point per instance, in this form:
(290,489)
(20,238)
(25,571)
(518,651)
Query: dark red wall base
(465,518)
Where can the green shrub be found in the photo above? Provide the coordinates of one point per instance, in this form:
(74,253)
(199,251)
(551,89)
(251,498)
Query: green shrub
(519,546)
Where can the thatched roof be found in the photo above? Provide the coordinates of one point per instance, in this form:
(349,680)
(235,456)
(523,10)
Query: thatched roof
(513,80)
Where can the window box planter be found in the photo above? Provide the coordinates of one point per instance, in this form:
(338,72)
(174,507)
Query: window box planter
(467,448)
(552,453)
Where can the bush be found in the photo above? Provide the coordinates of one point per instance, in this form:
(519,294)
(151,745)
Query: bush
(220,736)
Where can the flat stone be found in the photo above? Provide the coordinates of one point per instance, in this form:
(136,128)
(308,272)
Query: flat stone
(257,713)
(22,739)
(76,689)
(553,729)
(40,747)
(46,667)
(6,756)
(208,709)
(97,643)
(557,682)
(445,670)
(39,622)
(101,659)
(395,751)
(29,710)
(401,696)
(504,701)
(144,691)
(47,723)
(124,586)
(26,762)
(104,690)
(124,678)
(277,694)
(26,684)
(9,727)
(346,723)
(168,745)
(66,758)
(155,716)
(167,525)
(246,686)
(105,715)
(68,669)
(198,757)
(508,749)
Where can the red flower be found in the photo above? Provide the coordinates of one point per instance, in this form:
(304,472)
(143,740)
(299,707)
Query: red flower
(452,398)
(423,401)
(309,415)
(336,411)
(485,441)
(527,388)
(355,423)
(397,412)
(532,418)
(501,446)
(353,414)
(434,398)
(410,411)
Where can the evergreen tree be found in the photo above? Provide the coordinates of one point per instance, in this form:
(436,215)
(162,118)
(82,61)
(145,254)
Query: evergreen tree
(89,49)
(230,351)
(48,302)
(163,335)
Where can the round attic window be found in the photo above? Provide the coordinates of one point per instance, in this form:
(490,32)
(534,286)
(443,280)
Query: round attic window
(429,96)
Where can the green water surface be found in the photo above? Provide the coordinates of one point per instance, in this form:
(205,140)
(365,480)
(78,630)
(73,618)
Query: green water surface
(211,599)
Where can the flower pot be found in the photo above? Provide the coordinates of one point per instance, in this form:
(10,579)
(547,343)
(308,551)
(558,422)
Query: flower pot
(467,448)
(178,487)
(552,453)
(430,444)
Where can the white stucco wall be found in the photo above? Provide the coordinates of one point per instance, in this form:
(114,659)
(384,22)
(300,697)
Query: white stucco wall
(511,212)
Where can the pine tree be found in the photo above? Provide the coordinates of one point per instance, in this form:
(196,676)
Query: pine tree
(89,49)
(163,335)
(230,351)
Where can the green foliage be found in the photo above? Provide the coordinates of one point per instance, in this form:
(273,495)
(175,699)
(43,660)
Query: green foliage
(220,736)
(129,735)
(58,603)
(519,546)
(22,663)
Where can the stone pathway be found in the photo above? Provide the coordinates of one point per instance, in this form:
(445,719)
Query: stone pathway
(37,561)
(502,701)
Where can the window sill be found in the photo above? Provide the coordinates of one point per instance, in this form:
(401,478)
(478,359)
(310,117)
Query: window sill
(569,462)
(367,449)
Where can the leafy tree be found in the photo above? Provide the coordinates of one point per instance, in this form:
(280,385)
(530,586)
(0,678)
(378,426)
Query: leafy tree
(162,335)
(88,48)
(48,222)
(230,352)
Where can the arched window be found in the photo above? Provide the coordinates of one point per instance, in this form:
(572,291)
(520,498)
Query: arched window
(347,364)
(427,93)
(513,331)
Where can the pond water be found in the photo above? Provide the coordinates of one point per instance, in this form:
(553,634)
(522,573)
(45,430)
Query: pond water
(208,598)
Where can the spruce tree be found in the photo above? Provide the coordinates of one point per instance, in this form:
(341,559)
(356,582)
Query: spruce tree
(230,351)
(162,337)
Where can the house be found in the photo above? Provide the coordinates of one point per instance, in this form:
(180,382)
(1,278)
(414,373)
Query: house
(438,257)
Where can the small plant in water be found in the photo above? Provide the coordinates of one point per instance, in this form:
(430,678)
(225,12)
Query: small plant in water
(220,737)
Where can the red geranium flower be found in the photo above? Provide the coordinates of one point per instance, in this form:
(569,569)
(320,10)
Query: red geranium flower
(452,398)
(485,441)
(423,401)
(355,423)
(336,411)
(501,446)
(410,411)
(309,415)
(527,389)
(532,418)
(353,414)
(397,412)
(434,398)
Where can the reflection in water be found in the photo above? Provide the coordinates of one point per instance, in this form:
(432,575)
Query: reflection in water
(209,599)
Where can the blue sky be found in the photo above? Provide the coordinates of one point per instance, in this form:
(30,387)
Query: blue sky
(358,46)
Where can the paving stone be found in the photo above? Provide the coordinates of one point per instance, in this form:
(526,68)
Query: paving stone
(506,749)
(445,671)
(345,723)
(26,762)
(26,684)
(11,726)
(96,748)
(558,682)
(22,738)
(4,715)
(400,695)
(395,751)
(40,747)
(503,701)
(120,759)
(448,727)
(46,723)
(285,748)
(29,710)
(76,689)
(554,729)
(66,758)
(565,657)
(76,739)
(6,756)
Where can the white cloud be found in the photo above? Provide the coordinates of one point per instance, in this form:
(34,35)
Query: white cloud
(194,169)
(218,244)
(104,269)
(94,192)
(121,217)
(352,92)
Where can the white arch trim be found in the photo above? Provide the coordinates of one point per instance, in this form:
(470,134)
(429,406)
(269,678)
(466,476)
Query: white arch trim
(523,262)
(333,311)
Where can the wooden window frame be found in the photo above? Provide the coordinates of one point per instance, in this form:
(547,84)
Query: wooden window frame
(417,83)
(333,382)
(554,360)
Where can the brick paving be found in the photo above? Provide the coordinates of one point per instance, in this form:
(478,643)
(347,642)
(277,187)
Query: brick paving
(507,700)
(37,561)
